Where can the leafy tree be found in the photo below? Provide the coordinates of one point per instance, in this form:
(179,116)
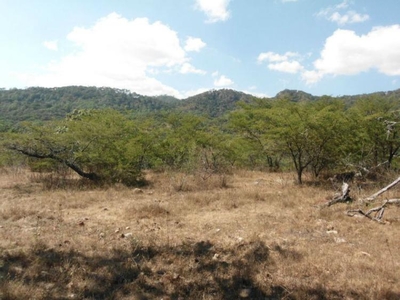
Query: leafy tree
(377,130)
(310,132)
(306,132)
(103,146)
(253,123)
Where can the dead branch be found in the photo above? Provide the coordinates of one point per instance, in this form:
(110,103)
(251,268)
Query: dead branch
(379,211)
(380,192)
(393,201)
(344,197)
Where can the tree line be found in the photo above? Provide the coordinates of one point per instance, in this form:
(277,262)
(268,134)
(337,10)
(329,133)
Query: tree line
(318,136)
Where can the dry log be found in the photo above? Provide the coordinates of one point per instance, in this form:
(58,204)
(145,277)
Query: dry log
(344,197)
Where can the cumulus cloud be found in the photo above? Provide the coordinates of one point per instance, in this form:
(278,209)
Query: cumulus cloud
(216,10)
(275,57)
(51,45)
(120,53)
(292,67)
(333,14)
(346,53)
(222,81)
(194,44)
(281,62)
(187,68)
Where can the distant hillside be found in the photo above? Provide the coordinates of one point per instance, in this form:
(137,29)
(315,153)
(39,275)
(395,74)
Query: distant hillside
(214,103)
(42,104)
(52,103)
(295,95)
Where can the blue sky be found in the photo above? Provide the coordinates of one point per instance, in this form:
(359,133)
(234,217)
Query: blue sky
(184,47)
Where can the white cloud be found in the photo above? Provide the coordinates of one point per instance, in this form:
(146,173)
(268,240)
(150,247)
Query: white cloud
(346,53)
(281,62)
(348,17)
(223,81)
(194,44)
(51,45)
(187,68)
(332,14)
(120,53)
(311,77)
(216,10)
(342,5)
(292,67)
(284,1)
(275,57)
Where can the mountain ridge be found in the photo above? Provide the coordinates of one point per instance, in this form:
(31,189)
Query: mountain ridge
(43,104)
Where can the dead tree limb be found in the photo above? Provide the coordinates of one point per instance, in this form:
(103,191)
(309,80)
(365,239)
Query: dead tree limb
(393,201)
(380,192)
(344,197)
(379,211)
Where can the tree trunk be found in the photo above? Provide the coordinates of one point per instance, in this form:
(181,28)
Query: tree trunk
(89,175)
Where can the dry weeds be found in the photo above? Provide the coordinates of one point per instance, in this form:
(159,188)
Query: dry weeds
(253,235)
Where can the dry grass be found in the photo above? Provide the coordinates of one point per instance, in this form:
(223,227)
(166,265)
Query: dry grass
(252,235)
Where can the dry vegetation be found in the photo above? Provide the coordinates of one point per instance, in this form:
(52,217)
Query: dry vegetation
(252,235)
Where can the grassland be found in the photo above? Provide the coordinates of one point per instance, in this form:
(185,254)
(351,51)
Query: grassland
(251,235)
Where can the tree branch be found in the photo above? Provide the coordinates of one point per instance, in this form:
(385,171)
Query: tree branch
(51,155)
(385,189)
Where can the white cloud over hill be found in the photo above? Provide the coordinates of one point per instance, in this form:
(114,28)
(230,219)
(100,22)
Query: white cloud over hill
(120,53)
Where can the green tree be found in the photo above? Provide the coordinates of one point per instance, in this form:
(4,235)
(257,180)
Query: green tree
(306,132)
(253,123)
(377,130)
(103,146)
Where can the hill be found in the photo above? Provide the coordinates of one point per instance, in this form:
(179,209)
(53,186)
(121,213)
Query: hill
(214,103)
(43,104)
(295,95)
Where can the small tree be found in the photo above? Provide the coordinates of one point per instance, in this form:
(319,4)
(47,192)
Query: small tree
(103,146)
(377,124)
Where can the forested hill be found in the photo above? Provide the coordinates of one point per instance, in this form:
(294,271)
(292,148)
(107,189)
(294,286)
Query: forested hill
(42,104)
(298,96)
(214,103)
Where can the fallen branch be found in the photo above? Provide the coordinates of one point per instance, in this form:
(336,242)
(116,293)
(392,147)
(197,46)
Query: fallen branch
(344,197)
(393,201)
(380,192)
(379,211)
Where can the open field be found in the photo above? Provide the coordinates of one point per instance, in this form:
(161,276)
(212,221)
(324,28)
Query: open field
(252,235)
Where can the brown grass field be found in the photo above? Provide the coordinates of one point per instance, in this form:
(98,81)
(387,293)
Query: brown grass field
(251,235)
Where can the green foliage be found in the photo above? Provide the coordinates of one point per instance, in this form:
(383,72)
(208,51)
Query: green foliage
(44,104)
(376,130)
(294,130)
(99,145)
(214,103)
(306,132)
